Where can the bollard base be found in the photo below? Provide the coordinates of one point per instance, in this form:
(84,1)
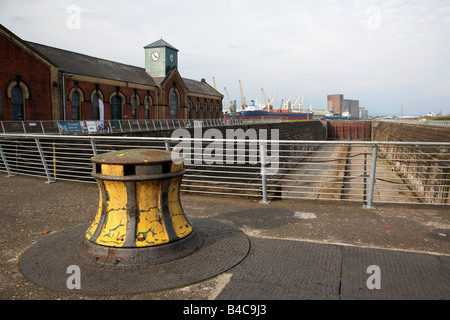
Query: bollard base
(141,256)
(50,261)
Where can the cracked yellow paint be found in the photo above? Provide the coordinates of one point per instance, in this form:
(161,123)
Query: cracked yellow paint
(150,200)
(150,228)
(180,225)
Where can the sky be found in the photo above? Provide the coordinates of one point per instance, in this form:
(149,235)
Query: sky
(391,55)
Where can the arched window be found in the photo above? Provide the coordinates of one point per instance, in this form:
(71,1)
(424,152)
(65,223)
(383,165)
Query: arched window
(197,109)
(116,109)
(204,110)
(173,105)
(147,107)
(210,110)
(133,108)
(17,103)
(1,103)
(75,106)
(217,111)
(95,108)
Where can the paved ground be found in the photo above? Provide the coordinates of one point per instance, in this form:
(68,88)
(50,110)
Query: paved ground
(298,249)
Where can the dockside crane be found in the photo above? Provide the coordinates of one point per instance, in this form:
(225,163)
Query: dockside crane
(286,103)
(293,105)
(268,103)
(300,105)
(265,99)
(243,102)
(230,105)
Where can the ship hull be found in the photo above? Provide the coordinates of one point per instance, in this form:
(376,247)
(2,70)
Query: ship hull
(262,114)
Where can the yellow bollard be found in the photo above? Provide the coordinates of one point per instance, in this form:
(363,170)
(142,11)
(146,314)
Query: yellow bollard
(140,219)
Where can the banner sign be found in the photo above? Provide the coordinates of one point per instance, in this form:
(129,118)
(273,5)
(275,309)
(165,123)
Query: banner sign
(70,127)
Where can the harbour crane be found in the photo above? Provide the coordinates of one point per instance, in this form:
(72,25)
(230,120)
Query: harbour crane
(300,105)
(286,103)
(243,102)
(268,103)
(264,97)
(293,105)
(230,105)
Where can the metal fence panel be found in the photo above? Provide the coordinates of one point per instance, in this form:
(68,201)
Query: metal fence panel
(359,171)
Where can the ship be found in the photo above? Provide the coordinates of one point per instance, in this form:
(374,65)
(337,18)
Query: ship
(255,114)
(260,112)
(343,116)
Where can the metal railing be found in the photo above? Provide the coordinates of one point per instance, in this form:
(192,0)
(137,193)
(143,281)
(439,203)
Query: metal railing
(51,127)
(361,171)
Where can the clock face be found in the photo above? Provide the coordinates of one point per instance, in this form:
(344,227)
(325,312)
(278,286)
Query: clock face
(171,58)
(155,56)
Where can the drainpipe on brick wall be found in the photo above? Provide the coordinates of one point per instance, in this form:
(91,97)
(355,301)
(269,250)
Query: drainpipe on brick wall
(64,93)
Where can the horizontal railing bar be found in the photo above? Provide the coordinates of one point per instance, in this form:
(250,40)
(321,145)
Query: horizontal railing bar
(327,142)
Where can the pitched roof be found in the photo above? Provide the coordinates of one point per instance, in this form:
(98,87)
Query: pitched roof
(78,63)
(202,87)
(160,43)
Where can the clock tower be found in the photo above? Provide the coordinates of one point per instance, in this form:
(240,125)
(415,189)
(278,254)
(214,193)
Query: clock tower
(160,58)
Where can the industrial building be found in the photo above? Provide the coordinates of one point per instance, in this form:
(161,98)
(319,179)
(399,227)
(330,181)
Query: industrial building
(38,82)
(338,106)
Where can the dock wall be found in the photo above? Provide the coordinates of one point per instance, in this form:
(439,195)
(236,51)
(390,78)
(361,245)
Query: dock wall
(425,170)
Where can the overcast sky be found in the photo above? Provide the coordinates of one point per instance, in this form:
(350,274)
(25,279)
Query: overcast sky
(393,56)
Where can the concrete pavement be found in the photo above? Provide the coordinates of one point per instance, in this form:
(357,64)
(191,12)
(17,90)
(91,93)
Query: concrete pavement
(297,249)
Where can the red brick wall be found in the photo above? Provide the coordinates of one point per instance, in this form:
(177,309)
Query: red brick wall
(16,61)
(107,90)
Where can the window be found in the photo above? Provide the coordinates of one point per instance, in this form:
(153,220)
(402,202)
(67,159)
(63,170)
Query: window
(75,106)
(133,108)
(197,107)
(189,110)
(116,108)
(204,111)
(147,108)
(210,110)
(95,108)
(173,105)
(17,104)
(1,104)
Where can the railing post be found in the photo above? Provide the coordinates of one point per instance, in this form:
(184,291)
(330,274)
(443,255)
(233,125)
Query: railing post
(373,168)
(94,147)
(263,156)
(44,162)
(167,144)
(5,161)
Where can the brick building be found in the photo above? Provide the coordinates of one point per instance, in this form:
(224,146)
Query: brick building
(39,82)
(337,105)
